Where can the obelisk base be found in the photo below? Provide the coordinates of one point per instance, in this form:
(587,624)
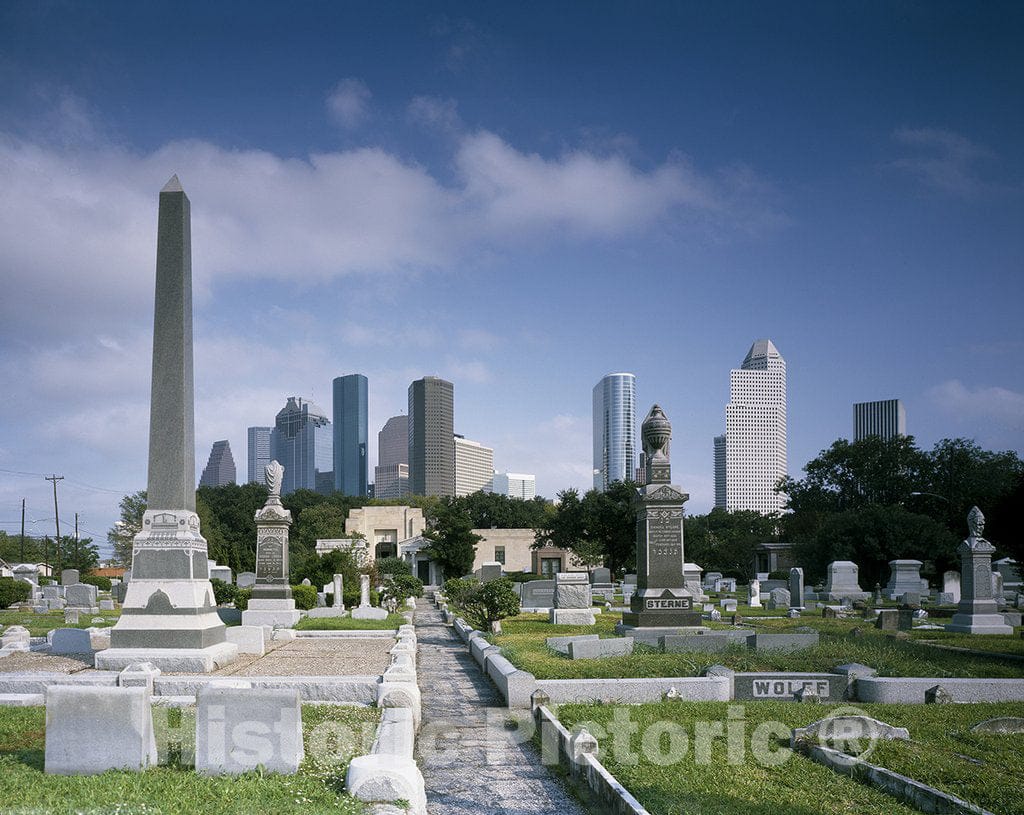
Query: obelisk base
(170,660)
(276,613)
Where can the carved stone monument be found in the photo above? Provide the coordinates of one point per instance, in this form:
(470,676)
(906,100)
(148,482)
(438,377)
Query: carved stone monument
(365,611)
(271,602)
(662,598)
(169,616)
(977,611)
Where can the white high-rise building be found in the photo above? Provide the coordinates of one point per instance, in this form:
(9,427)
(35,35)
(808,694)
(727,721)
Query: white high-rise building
(887,419)
(515,485)
(614,419)
(474,466)
(751,457)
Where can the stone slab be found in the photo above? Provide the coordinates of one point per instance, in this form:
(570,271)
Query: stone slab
(636,691)
(250,639)
(783,642)
(71,641)
(561,644)
(783,687)
(369,613)
(710,641)
(240,729)
(170,660)
(571,616)
(93,729)
(912,690)
(600,649)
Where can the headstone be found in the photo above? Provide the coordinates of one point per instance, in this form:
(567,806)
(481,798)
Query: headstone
(91,729)
(52,592)
(572,603)
(306,582)
(945,599)
(910,599)
(662,598)
(106,605)
(842,582)
(339,594)
(81,595)
(365,611)
(169,603)
(888,620)
(725,584)
(250,639)
(728,604)
(599,649)
(904,576)
(754,593)
(791,641)
(15,634)
(228,719)
(1010,570)
(28,573)
(778,599)
(271,602)
(951,585)
(139,675)
(220,572)
(561,644)
(69,577)
(538,594)
(71,616)
(245,580)
(691,580)
(710,579)
(997,589)
(490,571)
(785,686)
(876,595)
(977,612)
(796,587)
(601,575)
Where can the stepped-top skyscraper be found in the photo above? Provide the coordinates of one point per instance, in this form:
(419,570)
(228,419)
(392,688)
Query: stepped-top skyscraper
(259,453)
(391,475)
(614,420)
(887,419)
(431,437)
(751,457)
(301,442)
(351,427)
(220,469)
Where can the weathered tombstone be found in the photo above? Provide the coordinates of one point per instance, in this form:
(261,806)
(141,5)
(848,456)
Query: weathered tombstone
(951,585)
(691,580)
(997,589)
(365,611)
(339,601)
(15,634)
(71,616)
(91,729)
(169,608)
(599,649)
(106,605)
(977,612)
(271,602)
(662,598)
(796,587)
(1010,570)
(538,594)
(70,641)
(69,577)
(905,619)
(754,593)
(778,599)
(220,572)
(119,592)
(490,571)
(876,596)
(888,620)
(710,579)
(910,599)
(572,603)
(904,576)
(842,582)
(28,573)
(245,580)
(601,575)
(81,596)
(227,718)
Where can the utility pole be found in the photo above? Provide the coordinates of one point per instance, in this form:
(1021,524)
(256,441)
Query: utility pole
(22,530)
(76,539)
(56,514)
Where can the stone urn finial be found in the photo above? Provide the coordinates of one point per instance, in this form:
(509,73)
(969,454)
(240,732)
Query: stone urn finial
(656,432)
(975,522)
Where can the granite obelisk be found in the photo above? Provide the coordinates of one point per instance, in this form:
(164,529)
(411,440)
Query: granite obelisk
(169,616)
(977,612)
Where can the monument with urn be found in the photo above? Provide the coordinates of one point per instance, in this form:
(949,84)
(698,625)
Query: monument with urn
(977,611)
(661,601)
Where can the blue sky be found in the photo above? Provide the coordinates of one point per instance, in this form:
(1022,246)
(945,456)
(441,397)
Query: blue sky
(518,197)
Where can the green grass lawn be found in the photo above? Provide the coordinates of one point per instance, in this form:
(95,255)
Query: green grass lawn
(39,625)
(348,624)
(523,642)
(318,787)
(985,770)
(978,642)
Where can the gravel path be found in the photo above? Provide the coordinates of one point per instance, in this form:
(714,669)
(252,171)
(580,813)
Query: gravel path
(320,656)
(471,763)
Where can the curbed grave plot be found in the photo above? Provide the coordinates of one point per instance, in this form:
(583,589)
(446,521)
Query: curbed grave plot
(333,735)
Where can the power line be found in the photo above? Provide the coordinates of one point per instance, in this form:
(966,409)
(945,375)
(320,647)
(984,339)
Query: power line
(56,515)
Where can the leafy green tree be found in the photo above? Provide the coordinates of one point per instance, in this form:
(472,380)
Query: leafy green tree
(392,565)
(452,540)
(726,541)
(318,521)
(84,555)
(123,532)
(400,588)
(598,529)
(490,602)
(228,522)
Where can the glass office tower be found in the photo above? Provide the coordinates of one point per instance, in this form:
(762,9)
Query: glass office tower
(614,429)
(350,434)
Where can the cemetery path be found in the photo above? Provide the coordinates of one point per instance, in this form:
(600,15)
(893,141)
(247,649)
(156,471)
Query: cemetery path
(471,763)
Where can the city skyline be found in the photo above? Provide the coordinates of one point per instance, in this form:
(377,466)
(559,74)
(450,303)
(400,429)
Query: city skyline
(510,204)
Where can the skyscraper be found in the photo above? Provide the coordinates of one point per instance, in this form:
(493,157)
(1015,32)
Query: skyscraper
(220,469)
(259,453)
(887,419)
(431,447)
(350,434)
(391,475)
(614,420)
(301,442)
(751,457)
(515,485)
(474,466)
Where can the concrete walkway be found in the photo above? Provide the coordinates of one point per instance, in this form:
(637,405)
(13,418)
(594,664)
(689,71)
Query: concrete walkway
(471,763)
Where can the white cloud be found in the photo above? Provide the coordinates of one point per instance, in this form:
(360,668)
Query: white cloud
(435,113)
(981,405)
(349,103)
(944,160)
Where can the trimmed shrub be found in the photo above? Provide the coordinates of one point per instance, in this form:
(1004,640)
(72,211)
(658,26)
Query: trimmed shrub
(223,592)
(242,598)
(102,583)
(458,589)
(493,601)
(305,597)
(393,565)
(401,587)
(13,591)
(526,577)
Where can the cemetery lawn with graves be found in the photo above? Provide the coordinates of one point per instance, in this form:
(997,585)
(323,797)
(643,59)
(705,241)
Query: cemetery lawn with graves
(984,769)
(39,624)
(523,642)
(393,621)
(319,785)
